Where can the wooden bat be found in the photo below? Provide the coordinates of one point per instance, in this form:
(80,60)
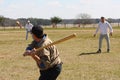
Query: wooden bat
(56,42)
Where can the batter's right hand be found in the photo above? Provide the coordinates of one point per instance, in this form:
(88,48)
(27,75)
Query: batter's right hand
(27,53)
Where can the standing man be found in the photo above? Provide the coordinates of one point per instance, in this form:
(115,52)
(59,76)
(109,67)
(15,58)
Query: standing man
(105,29)
(28,28)
(47,60)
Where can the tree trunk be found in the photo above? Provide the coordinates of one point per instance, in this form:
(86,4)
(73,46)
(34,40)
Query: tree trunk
(79,25)
(118,24)
(64,25)
(54,25)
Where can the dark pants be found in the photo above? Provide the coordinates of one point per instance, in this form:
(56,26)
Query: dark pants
(51,74)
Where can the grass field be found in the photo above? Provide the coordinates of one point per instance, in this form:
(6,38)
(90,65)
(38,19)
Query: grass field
(77,55)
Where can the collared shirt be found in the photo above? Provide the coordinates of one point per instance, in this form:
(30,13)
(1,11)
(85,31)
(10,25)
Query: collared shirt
(28,27)
(104,28)
(48,56)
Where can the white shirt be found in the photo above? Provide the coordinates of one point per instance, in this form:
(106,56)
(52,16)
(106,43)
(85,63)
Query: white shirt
(28,26)
(104,28)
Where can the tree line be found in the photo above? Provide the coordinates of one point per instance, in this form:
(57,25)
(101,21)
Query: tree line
(81,19)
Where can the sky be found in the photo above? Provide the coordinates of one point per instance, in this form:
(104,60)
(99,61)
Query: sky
(65,9)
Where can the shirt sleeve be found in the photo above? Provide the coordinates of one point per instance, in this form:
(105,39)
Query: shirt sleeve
(32,25)
(110,27)
(25,26)
(97,29)
(30,46)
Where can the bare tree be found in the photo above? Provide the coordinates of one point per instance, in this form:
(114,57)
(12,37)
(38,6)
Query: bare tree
(83,18)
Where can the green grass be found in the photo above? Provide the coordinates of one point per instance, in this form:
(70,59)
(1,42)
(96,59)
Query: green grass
(104,66)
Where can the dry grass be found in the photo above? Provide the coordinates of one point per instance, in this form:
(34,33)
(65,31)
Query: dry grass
(105,66)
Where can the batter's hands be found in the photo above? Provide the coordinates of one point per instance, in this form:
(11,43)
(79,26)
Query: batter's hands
(29,52)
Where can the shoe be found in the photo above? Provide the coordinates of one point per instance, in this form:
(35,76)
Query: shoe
(108,50)
(99,51)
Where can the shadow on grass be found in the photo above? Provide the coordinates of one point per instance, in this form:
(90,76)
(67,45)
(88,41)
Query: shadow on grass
(89,53)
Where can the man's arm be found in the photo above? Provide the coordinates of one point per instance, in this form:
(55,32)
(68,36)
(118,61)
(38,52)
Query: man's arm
(33,55)
(96,31)
(31,24)
(110,28)
(26,26)
(36,58)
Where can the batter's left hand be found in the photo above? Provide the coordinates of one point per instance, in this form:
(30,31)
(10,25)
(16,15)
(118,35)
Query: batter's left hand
(29,52)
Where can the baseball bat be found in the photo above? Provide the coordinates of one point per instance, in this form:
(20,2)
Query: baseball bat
(57,42)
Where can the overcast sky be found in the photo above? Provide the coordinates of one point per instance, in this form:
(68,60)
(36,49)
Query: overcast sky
(66,9)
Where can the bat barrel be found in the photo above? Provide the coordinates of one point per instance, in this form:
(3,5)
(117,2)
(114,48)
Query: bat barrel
(58,41)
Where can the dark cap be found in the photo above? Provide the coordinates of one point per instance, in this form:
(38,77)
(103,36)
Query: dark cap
(37,31)
(102,17)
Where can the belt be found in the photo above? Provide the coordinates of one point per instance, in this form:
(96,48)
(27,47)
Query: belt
(56,65)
